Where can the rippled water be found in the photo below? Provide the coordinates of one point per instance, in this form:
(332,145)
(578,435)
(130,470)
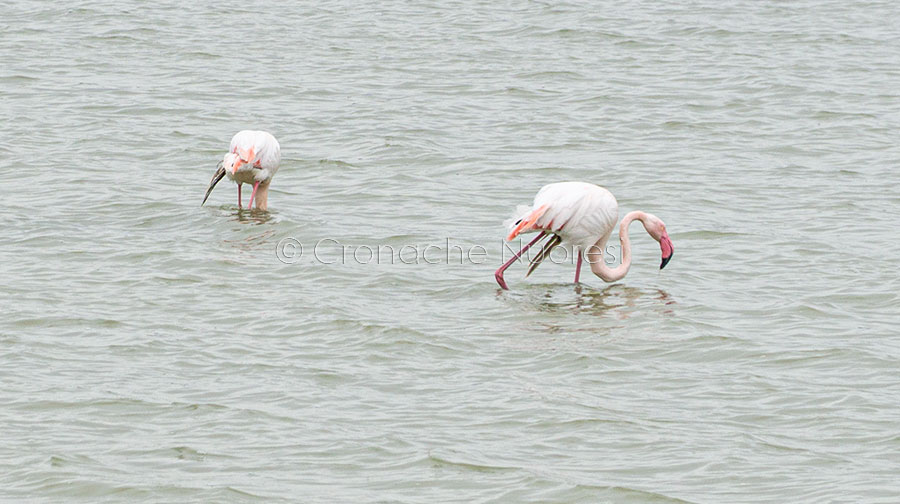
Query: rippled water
(155,350)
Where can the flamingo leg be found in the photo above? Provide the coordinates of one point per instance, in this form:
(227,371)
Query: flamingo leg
(253,195)
(578,266)
(498,275)
(239,194)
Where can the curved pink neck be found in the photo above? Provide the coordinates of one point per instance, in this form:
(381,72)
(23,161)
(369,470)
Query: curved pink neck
(596,253)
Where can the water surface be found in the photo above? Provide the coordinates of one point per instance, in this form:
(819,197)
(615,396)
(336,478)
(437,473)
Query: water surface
(154,350)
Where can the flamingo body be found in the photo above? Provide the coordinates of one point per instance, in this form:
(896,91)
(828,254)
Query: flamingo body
(582,215)
(253,158)
(578,212)
(266,153)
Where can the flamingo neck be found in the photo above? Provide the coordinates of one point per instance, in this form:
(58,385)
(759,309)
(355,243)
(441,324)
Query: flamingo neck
(596,252)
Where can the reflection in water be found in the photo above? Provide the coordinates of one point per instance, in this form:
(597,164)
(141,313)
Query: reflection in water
(255,217)
(555,320)
(619,296)
(252,242)
(618,300)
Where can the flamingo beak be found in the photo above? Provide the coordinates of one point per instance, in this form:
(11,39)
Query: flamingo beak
(665,244)
(220,172)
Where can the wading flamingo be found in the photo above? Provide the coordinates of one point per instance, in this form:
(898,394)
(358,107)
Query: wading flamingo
(253,158)
(582,215)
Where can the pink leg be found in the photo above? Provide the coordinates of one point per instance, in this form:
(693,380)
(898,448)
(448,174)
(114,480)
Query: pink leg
(498,275)
(253,195)
(578,266)
(239,195)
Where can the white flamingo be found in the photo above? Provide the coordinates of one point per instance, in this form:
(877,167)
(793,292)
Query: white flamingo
(582,215)
(253,158)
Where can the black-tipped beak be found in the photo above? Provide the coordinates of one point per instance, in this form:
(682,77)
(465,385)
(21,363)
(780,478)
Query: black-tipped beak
(666,260)
(215,180)
(665,245)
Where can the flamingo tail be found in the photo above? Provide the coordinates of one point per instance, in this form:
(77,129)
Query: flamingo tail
(544,253)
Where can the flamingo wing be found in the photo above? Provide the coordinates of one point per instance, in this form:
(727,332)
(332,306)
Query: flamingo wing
(257,148)
(578,211)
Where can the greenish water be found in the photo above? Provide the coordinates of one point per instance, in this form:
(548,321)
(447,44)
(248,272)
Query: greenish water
(154,350)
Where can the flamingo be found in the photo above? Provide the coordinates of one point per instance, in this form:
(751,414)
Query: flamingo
(253,158)
(582,215)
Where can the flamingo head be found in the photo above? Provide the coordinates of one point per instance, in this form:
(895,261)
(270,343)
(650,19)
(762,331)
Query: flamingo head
(657,229)
(231,162)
